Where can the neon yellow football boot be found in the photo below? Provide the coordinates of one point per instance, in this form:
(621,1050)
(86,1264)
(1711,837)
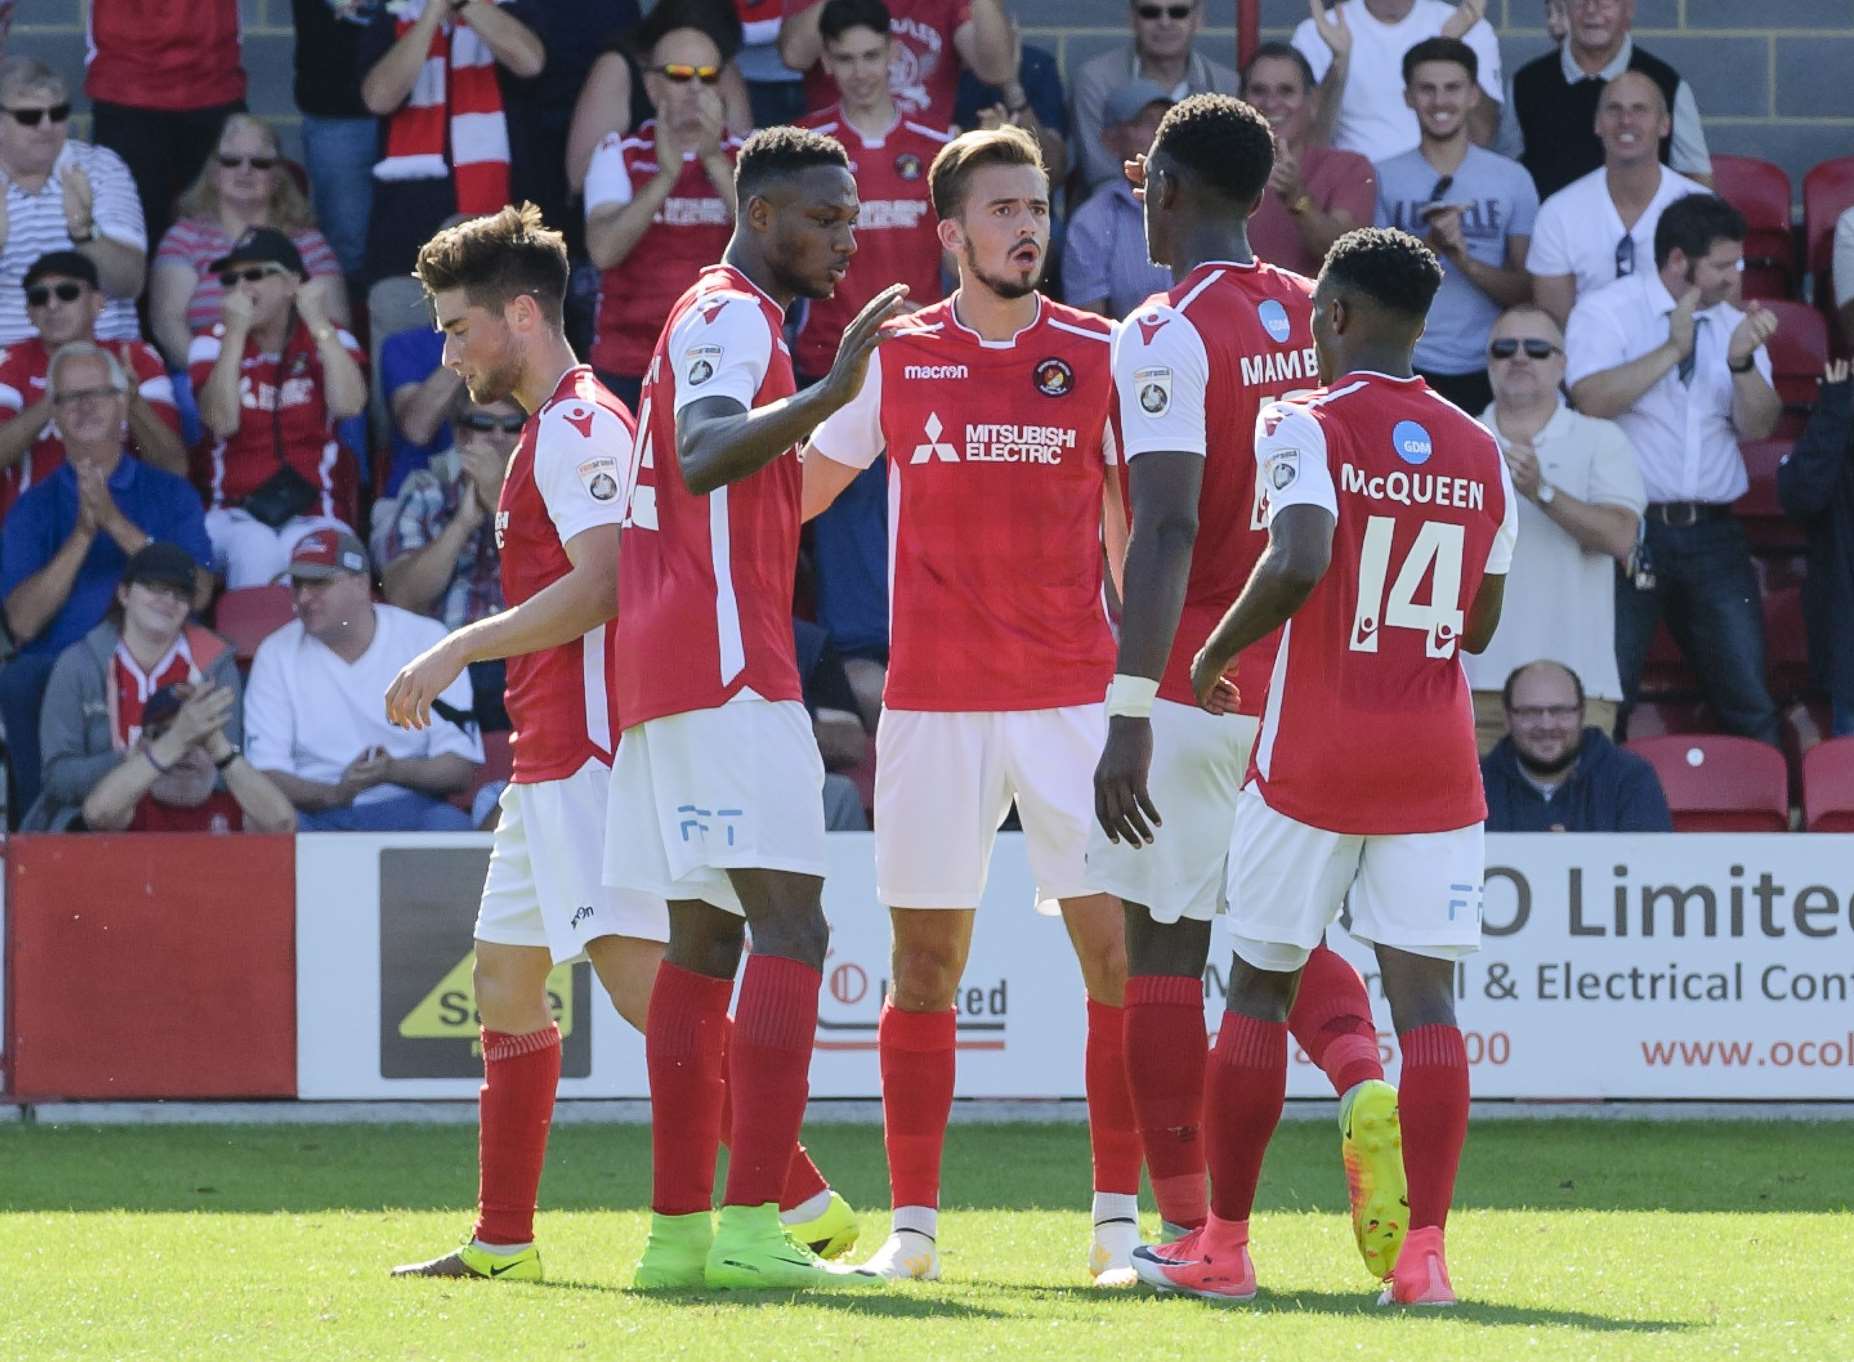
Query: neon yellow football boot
(830,1234)
(1372,1148)
(674,1253)
(753,1252)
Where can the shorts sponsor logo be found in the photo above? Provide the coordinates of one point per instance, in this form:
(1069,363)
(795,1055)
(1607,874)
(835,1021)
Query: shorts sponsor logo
(1054,378)
(704,825)
(1411,442)
(934,371)
(1274,319)
(600,477)
(1154,387)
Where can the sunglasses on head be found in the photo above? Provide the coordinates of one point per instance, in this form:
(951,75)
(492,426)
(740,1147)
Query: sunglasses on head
(1508,346)
(483,421)
(40,294)
(249,275)
(30,118)
(1165,11)
(231,162)
(681,73)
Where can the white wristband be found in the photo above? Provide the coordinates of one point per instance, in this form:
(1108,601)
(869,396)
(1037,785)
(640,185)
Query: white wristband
(1131,696)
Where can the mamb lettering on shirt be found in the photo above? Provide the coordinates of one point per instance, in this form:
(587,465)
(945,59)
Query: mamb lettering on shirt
(1274,368)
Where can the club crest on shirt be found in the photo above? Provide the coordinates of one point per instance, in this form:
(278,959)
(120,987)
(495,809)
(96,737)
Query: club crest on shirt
(702,361)
(600,477)
(1154,387)
(908,166)
(1054,378)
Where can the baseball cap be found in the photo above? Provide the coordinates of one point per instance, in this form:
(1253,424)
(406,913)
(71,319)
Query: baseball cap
(160,564)
(65,264)
(327,553)
(262,245)
(1124,105)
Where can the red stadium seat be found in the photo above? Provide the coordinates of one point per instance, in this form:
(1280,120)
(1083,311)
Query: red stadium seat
(1798,352)
(1770,531)
(1828,786)
(1761,191)
(1716,783)
(249,615)
(1828,191)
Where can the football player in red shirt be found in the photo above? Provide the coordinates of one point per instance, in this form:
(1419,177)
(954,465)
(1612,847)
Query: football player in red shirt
(1391,528)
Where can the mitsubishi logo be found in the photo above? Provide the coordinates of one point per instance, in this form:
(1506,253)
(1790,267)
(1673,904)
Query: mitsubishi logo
(934,448)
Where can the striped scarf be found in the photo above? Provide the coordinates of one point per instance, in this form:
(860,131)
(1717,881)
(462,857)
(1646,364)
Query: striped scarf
(458,83)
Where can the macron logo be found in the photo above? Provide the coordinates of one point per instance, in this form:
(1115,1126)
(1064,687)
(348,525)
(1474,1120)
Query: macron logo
(935,447)
(1149,327)
(934,371)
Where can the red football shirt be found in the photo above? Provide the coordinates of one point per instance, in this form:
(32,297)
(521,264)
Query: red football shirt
(133,686)
(165,54)
(923,73)
(1368,724)
(996,458)
(284,417)
(1193,367)
(759,21)
(564,478)
(705,582)
(689,231)
(22,384)
(896,240)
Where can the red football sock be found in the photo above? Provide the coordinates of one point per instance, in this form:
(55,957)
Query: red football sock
(1165,1037)
(1331,1020)
(1432,1104)
(918,1066)
(685,1051)
(1248,1085)
(769,1071)
(802,1180)
(1113,1134)
(515,1108)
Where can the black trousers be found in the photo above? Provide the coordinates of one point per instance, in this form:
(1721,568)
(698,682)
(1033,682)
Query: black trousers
(164,148)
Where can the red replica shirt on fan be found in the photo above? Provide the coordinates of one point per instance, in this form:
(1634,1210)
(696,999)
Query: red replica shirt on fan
(689,231)
(22,384)
(283,416)
(1193,367)
(996,458)
(923,73)
(564,478)
(165,54)
(705,582)
(759,21)
(896,240)
(1368,725)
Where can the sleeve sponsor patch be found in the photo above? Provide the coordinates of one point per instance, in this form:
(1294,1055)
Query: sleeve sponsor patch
(1153,386)
(599,476)
(1283,468)
(700,363)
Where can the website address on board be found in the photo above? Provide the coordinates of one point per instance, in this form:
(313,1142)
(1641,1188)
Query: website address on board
(1832,1053)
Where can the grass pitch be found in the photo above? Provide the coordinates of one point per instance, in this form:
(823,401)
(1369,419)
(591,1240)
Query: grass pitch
(1571,1239)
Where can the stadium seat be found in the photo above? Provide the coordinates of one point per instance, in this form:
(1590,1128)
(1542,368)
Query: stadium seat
(249,615)
(1797,353)
(1786,643)
(1716,783)
(1828,191)
(1761,191)
(1666,673)
(1770,531)
(1828,786)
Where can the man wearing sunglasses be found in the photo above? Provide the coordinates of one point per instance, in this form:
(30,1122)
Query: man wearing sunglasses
(63,301)
(62,194)
(1160,50)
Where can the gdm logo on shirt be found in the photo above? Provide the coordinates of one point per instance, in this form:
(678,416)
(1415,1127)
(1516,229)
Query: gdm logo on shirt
(1274,319)
(1411,442)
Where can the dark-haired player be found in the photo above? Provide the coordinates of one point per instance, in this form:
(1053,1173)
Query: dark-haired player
(1193,367)
(716,800)
(1391,524)
(993,409)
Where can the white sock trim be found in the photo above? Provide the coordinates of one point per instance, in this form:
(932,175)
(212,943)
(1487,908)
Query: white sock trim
(501,1250)
(920,1219)
(1116,1206)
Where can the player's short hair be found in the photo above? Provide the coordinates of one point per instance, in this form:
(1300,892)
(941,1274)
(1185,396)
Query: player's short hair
(1692,224)
(774,154)
(961,158)
(1392,268)
(496,259)
(1221,143)
(1512,679)
(840,16)
(1280,51)
(1441,49)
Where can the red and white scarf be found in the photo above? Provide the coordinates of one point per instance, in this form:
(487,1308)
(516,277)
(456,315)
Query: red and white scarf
(458,83)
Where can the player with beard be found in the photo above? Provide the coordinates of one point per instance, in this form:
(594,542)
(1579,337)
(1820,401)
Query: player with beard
(716,794)
(993,409)
(497,286)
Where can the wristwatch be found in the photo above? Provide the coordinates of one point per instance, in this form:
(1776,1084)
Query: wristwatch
(1745,368)
(230,757)
(1301,204)
(1546,493)
(90,235)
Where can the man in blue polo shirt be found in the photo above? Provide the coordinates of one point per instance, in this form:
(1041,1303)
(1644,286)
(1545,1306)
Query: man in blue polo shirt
(67,540)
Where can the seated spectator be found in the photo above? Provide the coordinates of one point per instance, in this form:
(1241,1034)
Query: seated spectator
(245,184)
(1105,265)
(63,195)
(272,380)
(1473,207)
(1160,51)
(421,392)
(141,721)
(934,38)
(1356,51)
(1816,483)
(1601,228)
(450,81)
(314,720)
(843,741)
(68,539)
(437,553)
(1579,515)
(1553,774)
(341,137)
(1316,193)
(1554,98)
(1665,355)
(63,302)
(1031,100)
(659,206)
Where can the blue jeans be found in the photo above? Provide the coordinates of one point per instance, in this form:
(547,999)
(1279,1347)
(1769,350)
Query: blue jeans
(22,692)
(1705,584)
(339,154)
(408,812)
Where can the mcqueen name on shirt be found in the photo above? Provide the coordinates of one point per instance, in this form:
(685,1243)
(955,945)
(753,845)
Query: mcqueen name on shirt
(1414,489)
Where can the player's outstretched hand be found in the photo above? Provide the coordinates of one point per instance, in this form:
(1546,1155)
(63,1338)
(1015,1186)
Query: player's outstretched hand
(1121,802)
(420,681)
(859,342)
(1215,689)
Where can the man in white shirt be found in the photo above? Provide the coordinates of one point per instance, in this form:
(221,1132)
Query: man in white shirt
(313,719)
(1685,374)
(1356,51)
(1581,513)
(1601,228)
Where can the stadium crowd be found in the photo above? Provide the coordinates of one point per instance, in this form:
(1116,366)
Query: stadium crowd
(222,404)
